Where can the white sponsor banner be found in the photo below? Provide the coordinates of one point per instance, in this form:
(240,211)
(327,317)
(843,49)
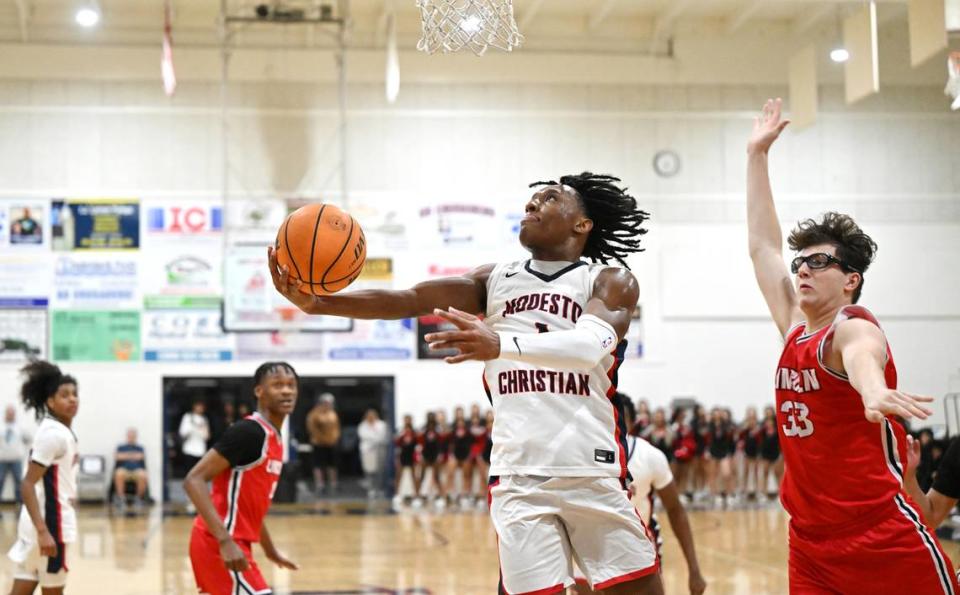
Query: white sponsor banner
(182,335)
(179,218)
(189,267)
(96,281)
(25,274)
(251,303)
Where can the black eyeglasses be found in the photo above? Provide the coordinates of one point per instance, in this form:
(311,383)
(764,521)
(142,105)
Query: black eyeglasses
(819,260)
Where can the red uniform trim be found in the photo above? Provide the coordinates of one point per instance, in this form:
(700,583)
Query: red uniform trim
(616,416)
(627,577)
(548,591)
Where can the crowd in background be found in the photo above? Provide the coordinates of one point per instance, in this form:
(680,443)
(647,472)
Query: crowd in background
(716,460)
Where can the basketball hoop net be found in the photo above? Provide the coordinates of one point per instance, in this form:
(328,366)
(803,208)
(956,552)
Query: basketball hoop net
(451,25)
(953,83)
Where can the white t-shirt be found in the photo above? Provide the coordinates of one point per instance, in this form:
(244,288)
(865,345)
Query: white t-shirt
(550,422)
(372,436)
(195,431)
(54,447)
(13,442)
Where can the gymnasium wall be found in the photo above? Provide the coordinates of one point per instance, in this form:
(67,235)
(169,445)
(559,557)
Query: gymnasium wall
(890,161)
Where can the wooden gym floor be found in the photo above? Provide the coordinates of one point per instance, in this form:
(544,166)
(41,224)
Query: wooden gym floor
(342,550)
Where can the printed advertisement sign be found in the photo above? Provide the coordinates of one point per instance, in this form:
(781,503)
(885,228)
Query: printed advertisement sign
(457,225)
(95,336)
(96,281)
(185,269)
(184,335)
(251,303)
(26,274)
(23,223)
(23,329)
(95,224)
(634,335)
(291,346)
(373,339)
(182,218)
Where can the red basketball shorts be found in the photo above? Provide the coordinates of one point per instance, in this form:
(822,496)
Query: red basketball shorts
(897,555)
(212,575)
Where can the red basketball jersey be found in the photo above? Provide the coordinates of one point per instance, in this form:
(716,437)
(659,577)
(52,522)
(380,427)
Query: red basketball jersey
(242,494)
(842,472)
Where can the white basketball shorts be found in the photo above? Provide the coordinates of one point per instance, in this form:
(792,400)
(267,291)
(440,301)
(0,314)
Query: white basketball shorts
(543,524)
(31,566)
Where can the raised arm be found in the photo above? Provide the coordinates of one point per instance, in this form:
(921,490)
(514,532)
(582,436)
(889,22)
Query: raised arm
(763,227)
(467,293)
(863,352)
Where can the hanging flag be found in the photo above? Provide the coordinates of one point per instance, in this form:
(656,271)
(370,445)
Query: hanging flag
(166,61)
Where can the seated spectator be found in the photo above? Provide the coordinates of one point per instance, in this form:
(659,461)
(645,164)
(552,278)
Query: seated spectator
(131,465)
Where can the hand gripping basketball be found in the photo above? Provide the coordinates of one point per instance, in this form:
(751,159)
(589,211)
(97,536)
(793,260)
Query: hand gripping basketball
(289,287)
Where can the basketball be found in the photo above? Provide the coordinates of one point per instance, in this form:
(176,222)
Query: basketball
(323,246)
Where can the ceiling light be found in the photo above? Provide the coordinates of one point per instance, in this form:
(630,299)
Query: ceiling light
(839,55)
(87,17)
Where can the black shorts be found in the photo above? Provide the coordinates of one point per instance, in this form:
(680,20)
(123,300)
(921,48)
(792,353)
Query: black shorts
(430,455)
(325,456)
(770,455)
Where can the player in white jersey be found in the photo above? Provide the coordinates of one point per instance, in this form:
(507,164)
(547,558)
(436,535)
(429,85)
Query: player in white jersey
(652,477)
(48,521)
(552,340)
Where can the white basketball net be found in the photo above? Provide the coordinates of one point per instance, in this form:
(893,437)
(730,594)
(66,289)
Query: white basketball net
(452,25)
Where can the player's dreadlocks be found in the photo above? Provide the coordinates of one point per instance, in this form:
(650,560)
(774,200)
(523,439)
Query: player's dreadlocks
(267,368)
(617,222)
(43,380)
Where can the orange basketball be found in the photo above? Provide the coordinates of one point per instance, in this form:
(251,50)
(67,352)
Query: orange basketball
(323,246)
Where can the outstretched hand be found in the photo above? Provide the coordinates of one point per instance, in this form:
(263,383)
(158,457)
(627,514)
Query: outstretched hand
(767,127)
(289,287)
(894,402)
(473,339)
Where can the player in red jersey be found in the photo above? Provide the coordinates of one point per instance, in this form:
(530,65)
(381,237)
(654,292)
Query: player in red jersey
(853,529)
(244,467)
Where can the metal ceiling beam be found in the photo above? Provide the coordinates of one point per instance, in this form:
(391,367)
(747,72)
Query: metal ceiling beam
(23,16)
(665,21)
(742,16)
(529,14)
(601,14)
(806,22)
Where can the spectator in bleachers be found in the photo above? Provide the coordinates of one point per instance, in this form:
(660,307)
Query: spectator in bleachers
(374,436)
(323,425)
(131,465)
(13,450)
(194,434)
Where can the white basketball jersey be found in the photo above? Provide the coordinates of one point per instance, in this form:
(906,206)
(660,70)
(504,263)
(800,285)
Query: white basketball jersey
(54,447)
(650,471)
(550,422)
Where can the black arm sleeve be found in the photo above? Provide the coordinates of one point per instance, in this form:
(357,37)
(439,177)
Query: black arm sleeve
(947,481)
(242,443)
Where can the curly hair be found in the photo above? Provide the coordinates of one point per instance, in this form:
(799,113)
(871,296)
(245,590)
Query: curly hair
(43,380)
(617,222)
(855,248)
